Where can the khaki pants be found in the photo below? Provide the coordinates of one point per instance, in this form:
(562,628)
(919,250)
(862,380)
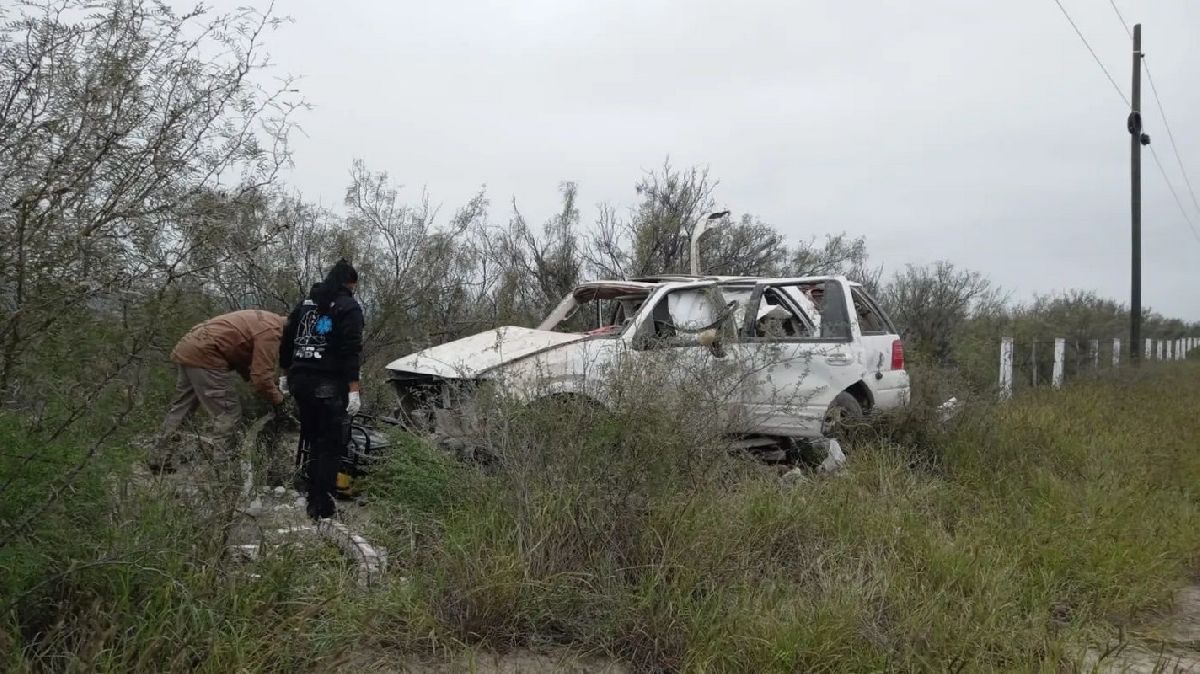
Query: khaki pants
(216,392)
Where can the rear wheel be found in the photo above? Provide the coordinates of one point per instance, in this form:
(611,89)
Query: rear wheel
(845,413)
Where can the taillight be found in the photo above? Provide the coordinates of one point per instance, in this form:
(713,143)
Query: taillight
(897,355)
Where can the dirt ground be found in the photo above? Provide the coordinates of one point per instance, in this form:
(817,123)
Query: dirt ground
(1171,645)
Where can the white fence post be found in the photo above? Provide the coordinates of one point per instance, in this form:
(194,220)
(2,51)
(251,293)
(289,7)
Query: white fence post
(1159,348)
(1060,354)
(1006,368)
(1117,352)
(1095,354)
(1149,350)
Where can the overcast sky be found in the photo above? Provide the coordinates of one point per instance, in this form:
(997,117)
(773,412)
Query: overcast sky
(978,132)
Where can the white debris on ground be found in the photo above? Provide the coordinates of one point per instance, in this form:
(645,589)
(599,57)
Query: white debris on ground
(277,518)
(948,409)
(835,458)
(268,517)
(795,476)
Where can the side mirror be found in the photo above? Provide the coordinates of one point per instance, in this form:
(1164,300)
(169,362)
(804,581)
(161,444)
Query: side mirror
(711,339)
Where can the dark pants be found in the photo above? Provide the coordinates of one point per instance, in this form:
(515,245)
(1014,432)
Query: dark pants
(324,429)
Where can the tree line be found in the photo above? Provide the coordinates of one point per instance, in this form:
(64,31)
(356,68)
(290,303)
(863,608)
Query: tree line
(140,174)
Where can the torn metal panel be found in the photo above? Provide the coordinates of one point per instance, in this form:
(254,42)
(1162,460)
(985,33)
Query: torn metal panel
(471,357)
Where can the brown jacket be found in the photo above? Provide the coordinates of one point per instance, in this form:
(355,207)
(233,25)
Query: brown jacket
(246,341)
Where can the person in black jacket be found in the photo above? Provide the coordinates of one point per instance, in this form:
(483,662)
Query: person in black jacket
(320,357)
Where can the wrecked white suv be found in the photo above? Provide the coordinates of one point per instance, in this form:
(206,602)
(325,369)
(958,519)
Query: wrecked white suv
(821,351)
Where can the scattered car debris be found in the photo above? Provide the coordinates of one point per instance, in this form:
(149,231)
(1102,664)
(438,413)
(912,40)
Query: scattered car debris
(284,520)
(949,409)
(835,458)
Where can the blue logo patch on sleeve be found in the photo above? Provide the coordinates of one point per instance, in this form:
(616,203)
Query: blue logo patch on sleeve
(324,325)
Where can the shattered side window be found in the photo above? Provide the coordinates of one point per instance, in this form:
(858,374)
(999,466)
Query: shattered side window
(776,321)
(870,319)
(740,297)
(691,310)
(678,318)
(827,303)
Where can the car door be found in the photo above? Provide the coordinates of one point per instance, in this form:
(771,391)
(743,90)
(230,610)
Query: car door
(797,362)
(882,351)
(666,341)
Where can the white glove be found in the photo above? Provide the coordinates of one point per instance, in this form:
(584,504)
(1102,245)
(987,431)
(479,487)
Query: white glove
(283,386)
(355,403)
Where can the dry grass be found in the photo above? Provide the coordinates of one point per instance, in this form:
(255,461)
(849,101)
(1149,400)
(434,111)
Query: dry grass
(1018,533)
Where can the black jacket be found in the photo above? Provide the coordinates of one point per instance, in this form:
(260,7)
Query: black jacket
(329,342)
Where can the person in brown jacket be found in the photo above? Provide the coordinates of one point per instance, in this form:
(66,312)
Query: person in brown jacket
(245,342)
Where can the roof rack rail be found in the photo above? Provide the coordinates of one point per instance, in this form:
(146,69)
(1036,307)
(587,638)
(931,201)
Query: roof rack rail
(653,278)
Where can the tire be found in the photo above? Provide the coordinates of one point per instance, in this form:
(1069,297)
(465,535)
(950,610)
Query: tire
(841,418)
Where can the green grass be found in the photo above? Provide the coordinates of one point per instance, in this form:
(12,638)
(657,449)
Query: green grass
(1001,543)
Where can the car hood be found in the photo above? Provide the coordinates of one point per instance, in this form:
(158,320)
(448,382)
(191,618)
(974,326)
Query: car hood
(473,356)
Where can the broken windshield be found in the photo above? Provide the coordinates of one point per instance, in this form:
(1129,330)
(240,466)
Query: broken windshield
(598,311)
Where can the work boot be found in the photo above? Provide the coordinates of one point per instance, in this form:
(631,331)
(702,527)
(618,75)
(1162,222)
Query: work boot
(158,457)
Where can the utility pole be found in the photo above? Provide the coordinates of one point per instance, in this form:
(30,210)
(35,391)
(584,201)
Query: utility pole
(1136,140)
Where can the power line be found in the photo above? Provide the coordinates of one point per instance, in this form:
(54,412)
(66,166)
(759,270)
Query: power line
(1093,53)
(1153,152)
(1174,194)
(1123,21)
(1162,112)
